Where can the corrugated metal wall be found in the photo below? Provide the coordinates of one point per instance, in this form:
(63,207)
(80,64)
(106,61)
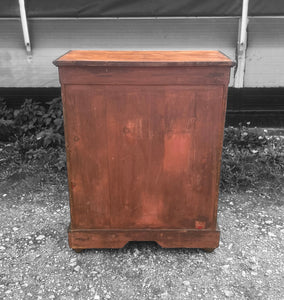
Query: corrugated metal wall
(52,37)
(265,53)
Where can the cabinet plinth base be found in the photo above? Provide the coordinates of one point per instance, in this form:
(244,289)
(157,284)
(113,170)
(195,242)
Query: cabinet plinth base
(166,238)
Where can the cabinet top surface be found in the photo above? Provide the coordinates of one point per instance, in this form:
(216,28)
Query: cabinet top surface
(143,58)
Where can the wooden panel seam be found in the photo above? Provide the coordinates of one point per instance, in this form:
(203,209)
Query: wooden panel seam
(67,149)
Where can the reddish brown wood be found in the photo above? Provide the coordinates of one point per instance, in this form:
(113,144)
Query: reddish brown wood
(115,238)
(143,58)
(144,146)
(147,75)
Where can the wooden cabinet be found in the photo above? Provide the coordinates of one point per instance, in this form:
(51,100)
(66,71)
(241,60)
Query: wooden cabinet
(144,132)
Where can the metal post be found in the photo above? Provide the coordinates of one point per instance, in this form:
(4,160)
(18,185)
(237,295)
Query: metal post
(242,47)
(25,26)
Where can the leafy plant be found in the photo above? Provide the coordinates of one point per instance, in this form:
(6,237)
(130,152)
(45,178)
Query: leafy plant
(250,157)
(29,118)
(6,113)
(53,131)
(39,133)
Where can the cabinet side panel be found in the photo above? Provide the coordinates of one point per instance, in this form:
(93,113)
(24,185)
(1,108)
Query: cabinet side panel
(164,155)
(219,147)
(208,149)
(86,146)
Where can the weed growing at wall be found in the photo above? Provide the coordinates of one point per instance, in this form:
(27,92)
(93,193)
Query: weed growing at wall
(35,131)
(250,157)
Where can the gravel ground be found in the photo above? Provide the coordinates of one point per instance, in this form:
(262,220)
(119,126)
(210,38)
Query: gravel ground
(36,262)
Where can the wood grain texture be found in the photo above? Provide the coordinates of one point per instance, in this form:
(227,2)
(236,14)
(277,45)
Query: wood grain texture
(144,148)
(147,75)
(84,239)
(88,157)
(143,58)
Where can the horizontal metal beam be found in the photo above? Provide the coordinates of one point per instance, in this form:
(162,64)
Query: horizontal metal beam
(140,18)
(120,18)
